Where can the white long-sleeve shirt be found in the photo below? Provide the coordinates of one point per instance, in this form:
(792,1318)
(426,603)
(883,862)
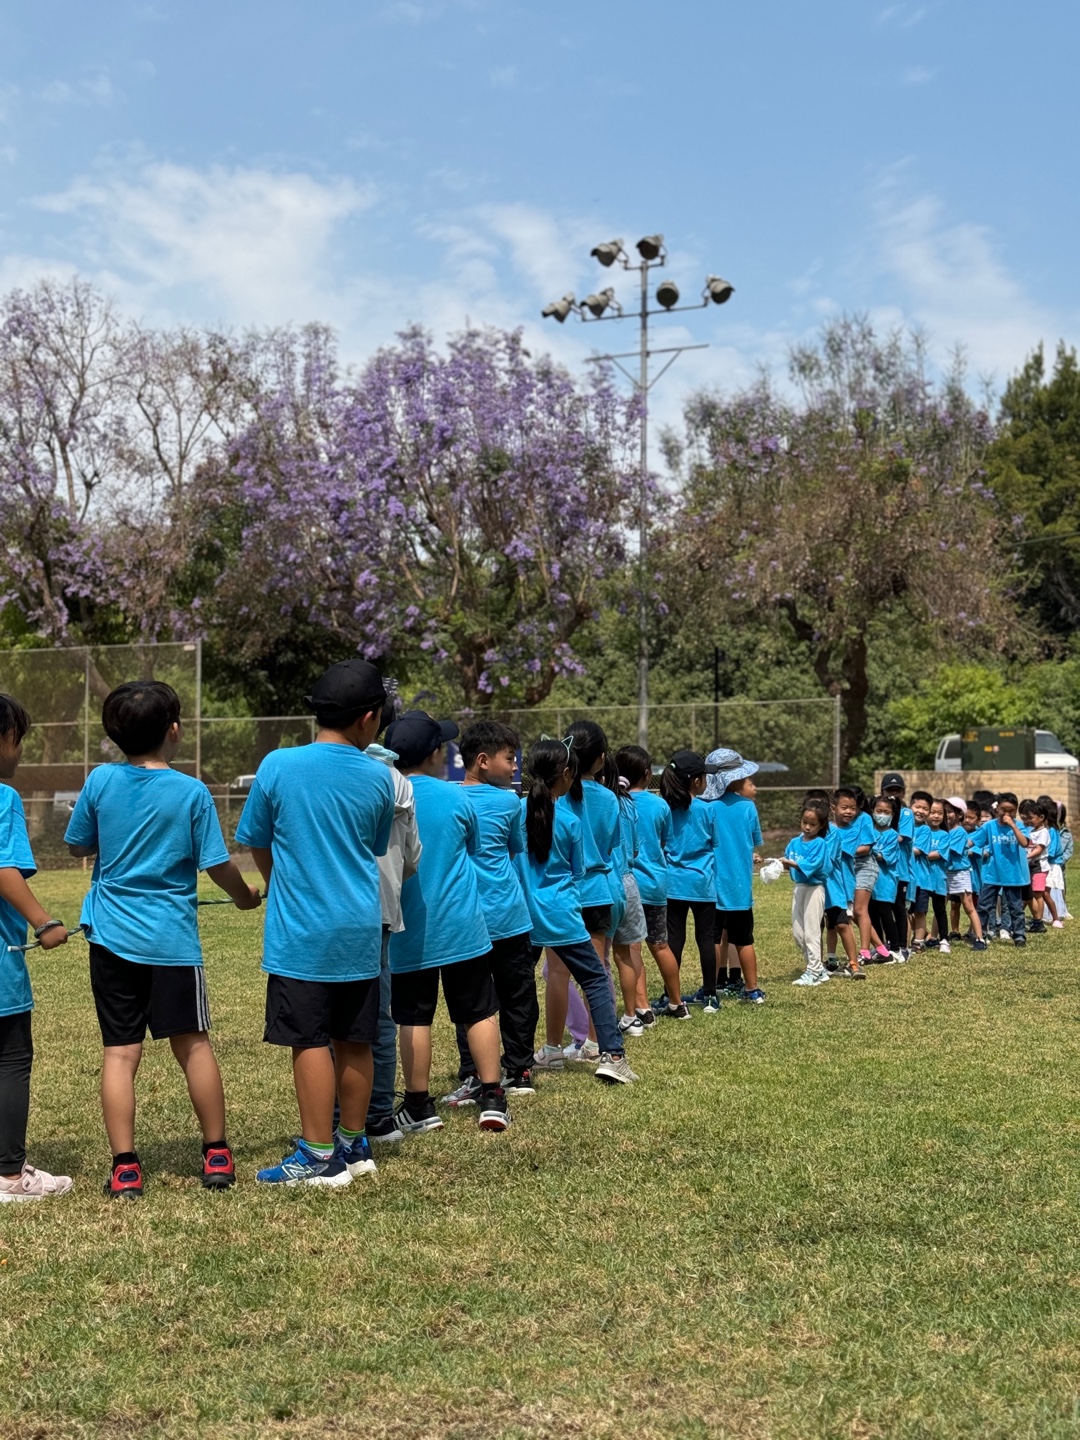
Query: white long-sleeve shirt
(403,852)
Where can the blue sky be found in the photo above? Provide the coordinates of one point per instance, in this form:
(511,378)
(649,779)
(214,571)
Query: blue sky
(372,162)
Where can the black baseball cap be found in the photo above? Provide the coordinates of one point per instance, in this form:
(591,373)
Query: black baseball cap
(689,764)
(416,735)
(893,781)
(346,691)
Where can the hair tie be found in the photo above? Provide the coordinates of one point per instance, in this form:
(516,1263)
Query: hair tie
(624,783)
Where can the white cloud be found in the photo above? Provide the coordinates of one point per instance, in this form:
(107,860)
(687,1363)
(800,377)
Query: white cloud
(94,90)
(902,17)
(951,279)
(504,77)
(918,75)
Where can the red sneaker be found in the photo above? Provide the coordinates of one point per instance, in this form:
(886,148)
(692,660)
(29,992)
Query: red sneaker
(218,1170)
(126,1179)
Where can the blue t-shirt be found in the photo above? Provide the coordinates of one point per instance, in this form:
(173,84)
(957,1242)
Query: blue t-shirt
(887,854)
(736,830)
(813,859)
(325,811)
(551,889)
(501,836)
(938,844)
(955,850)
(691,867)
(923,840)
(15,854)
(1053,850)
(653,834)
(1007,864)
(905,834)
(440,904)
(597,812)
(845,840)
(153,830)
(628,836)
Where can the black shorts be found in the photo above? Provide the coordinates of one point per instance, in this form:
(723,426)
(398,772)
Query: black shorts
(130,997)
(739,925)
(597,918)
(655,924)
(468,989)
(308,1014)
(836,915)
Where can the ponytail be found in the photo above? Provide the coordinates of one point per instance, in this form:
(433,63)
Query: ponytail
(674,789)
(589,742)
(635,765)
(545,764)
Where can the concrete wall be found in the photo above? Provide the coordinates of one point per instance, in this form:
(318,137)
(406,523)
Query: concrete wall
(1063,785)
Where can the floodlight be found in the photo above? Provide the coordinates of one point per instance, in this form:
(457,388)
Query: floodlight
(608,253)
(597,304)
(667,294)
(559,309)
(650,247)
(719,291)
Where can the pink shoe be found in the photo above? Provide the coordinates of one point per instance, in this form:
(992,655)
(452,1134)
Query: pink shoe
(1058,925)
(33,1185)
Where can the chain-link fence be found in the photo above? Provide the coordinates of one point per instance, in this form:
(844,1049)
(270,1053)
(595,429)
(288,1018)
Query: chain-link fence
(795,741)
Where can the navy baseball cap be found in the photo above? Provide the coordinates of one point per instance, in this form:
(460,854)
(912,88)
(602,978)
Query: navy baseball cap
(347,690)
(416,735)
(689,764)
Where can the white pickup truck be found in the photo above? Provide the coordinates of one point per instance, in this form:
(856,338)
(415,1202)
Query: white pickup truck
(1050,754)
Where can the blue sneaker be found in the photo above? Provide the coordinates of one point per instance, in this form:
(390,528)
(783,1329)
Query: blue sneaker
(304,1167)
(698,997)
(356,1155)
(752,997)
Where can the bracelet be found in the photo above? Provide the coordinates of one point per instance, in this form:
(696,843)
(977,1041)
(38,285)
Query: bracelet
(49,925)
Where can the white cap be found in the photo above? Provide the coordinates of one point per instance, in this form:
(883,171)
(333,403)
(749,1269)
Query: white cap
(957,802)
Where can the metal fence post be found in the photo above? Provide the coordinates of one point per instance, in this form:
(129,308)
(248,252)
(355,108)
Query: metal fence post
(198,709)
(837,718)
(86,713)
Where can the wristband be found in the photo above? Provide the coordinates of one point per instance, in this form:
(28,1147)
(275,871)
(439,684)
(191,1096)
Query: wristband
(49,925)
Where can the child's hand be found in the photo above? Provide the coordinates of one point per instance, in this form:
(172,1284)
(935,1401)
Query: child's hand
(757,859)
(916,851)
(253,901)
(56,936)
(788,864)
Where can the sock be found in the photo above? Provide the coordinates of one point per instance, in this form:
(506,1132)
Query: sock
(415,1099)
(323,1152)
(493,1089)
(126,1157)
(642,1009)
(348,1134)
(209,1145)
(734,977)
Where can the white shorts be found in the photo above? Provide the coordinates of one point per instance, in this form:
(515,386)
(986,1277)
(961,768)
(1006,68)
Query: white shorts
(959,882)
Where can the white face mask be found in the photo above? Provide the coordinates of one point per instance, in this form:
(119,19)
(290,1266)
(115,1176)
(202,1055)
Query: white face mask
(881,820)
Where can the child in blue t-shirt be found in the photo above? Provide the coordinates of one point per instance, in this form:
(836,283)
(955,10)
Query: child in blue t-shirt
(552,868)
(851,840)
(692,866)
(446,936)
(959,871)
(317,818)
(808,859)
(489,754)
(151,830)
(920,889)
(737,834)
(19,908)
(1005,870)
(885,817)
(650,870)
(936,855)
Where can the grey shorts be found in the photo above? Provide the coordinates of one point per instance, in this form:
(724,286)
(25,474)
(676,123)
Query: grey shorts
(866,873)
(632,928)
(656,923)
(959,882)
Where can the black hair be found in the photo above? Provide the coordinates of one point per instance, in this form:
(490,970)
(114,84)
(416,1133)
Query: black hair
(893,802)
(846,792)
(816,797)
(922,795)
(545,764)
(332,717)
(1063,815)
(485,737)
(983,799)
(14,718)
(589,742)
(1007,796)
(137,716)
(815,807)
(635,764)
(1050,809)
(674,789)
(392,707)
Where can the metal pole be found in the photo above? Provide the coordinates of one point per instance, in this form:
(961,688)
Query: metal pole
(716,696)
(836,741)
(86,715)
(643,520)
(198,709)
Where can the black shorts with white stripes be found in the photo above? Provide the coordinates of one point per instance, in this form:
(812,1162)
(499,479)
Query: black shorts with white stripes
(130,997)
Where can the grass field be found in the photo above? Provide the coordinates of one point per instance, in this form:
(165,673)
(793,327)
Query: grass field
(851,1212)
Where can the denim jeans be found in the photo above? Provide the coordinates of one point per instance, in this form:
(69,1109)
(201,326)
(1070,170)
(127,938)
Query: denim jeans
(1012,911)
(384,1050)
(589,971)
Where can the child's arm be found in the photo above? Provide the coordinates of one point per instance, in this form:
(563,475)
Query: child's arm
(264,863)
(82,852)
(1021,838)
(227,877)
(17,893)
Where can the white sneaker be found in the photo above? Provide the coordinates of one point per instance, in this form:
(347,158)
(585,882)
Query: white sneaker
(631,1025)
(34,1185)
(810,979)
(467,1093)
(549,1057)
(587,1053)
(944,948)
(898,957)
(614,1070)
(1004,936)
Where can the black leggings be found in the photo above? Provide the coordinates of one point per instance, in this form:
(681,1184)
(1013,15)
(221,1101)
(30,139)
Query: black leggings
(883,919)
(900,912)
(513,970)
(16,1058)
(704,912)
(941,915)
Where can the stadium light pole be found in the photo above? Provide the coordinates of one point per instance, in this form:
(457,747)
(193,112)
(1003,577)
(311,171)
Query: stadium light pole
(604,306)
